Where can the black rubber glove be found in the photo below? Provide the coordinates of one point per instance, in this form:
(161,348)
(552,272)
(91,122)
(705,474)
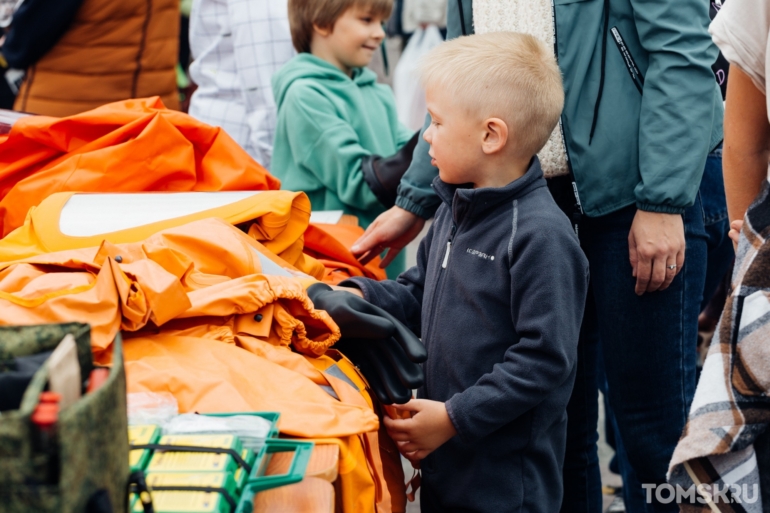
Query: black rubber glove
(383,175)
(386,352)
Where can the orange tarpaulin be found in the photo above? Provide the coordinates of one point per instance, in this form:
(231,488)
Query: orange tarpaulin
(134,145)
(209,314)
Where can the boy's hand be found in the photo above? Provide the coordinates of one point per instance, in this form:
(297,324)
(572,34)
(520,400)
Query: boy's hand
(427,430)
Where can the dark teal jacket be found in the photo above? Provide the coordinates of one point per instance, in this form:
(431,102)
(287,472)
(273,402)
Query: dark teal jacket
(651,133)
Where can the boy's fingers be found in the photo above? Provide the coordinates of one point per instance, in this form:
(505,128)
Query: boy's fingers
(399,436)
(411,447)
(391,423)
(414,405)
(397,425)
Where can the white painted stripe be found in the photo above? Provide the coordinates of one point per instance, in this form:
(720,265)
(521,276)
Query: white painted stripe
(85,215)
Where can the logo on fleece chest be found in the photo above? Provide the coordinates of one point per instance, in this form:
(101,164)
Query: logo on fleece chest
(480,254)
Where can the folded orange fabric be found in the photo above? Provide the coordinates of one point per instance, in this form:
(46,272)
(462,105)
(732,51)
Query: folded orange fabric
(330,244)
(212,316)
(204,268)
(133,145)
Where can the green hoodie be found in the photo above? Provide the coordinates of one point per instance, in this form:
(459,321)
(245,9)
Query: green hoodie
(327,123)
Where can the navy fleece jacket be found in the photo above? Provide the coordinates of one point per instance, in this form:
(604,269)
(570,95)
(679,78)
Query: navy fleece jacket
(497,297)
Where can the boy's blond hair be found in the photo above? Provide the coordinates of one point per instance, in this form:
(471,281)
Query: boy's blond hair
(507,75)
(304,14)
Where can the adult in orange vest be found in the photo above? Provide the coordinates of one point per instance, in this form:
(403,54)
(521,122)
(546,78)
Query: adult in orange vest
(81,54)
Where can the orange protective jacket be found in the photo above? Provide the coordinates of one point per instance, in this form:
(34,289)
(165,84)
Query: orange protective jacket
(203,321)
(113,50)
(129,146)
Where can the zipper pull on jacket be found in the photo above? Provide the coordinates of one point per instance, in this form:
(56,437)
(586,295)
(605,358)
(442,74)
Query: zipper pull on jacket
(448,247)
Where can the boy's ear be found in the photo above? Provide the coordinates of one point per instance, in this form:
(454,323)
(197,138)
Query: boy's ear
(322,31)
(495,136)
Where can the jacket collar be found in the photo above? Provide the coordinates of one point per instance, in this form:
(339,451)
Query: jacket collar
(465,201)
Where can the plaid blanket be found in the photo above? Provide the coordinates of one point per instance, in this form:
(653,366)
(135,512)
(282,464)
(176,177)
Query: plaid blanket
(718,451)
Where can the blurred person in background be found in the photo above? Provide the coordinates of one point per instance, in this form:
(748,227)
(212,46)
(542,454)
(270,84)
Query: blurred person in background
(71,56)
(237,46)
(183,82)
(338,137)
(7,96)
(420,13)
(741,30)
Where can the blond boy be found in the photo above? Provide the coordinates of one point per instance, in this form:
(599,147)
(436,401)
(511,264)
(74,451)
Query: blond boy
(499,288)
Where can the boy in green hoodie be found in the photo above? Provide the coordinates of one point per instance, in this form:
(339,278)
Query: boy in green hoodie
(335,123)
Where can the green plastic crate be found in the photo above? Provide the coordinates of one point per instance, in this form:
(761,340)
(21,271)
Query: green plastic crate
(241,477)
(259,482)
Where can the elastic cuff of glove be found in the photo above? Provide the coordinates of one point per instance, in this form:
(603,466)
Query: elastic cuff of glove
(315,289)
(353,283)
(387,198)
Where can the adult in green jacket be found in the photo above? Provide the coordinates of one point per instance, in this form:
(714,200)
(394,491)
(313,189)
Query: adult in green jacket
(642,114)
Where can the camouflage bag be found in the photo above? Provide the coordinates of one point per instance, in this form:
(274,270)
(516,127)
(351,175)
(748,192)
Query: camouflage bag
(92,434)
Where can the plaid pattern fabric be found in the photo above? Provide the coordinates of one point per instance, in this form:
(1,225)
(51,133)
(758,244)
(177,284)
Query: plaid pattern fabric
(237,45)
(731,408)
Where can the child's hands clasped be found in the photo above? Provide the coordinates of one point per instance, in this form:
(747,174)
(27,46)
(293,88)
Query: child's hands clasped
(427,429)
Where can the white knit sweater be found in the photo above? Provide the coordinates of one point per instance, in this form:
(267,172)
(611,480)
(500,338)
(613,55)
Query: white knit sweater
(533,17)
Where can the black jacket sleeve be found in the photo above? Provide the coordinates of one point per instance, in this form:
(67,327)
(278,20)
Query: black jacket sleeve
(36,27)
(401,298)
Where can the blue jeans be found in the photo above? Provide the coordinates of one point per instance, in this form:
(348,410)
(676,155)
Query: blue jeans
(720,248)
(648,345)
(582,479)
(650,348)
(720,257)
